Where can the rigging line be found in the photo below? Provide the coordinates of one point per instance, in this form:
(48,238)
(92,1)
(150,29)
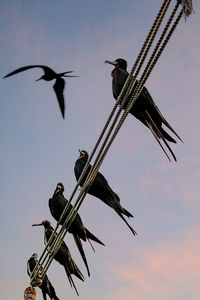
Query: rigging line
(70,216)
(139,87)
(152,38)
(150,68)
(98,166)
(91,158)
(154,32)
(155,24)
(158,43)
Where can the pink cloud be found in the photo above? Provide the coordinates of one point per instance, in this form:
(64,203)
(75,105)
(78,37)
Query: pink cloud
(161,272)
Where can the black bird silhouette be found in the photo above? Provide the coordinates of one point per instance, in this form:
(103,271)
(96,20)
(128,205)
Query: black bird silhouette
(144,109)
(101,189)
(46,286)
(63,255)
(56,205)
(49,75)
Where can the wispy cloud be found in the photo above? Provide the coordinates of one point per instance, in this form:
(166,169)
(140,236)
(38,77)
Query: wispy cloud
(164,272)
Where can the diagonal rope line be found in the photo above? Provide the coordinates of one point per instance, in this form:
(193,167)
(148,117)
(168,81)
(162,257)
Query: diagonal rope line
(152,31)
(58,240)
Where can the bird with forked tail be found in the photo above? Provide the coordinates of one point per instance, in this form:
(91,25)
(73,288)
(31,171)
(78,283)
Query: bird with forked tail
(56,205)
(144,109)
(100,188)
(45,285)
(63,255)
(49,75)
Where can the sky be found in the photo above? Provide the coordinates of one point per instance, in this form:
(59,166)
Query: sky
(39,149)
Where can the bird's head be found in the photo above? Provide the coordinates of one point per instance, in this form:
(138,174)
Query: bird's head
(34,255)
(59,188)
(83,155)
(118,63)
(44,223)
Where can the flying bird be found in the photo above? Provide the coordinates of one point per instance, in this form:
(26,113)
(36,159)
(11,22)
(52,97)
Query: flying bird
(45,286)
(49,75)
(144,109)
(100,188)
(63,255)
(56,205)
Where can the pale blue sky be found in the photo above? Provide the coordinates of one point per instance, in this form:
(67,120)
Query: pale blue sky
(38,148)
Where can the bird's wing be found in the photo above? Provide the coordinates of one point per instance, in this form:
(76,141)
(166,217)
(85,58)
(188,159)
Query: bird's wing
(101,182)
(58,88)
(45,68)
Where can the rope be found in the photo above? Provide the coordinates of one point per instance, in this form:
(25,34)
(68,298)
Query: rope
(54,244)
(156,24)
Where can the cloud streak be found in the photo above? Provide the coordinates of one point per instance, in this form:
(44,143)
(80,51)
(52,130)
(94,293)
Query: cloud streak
(164,272)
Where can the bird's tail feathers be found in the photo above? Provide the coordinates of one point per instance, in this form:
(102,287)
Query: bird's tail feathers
(114,202)
(92,237)
(157,139)
(44,295)
(118,208)
(77,272)
(72,284)
(158,134)
(168,126)
(80,248)
(52,293)
(132,230)
(91,245)
(167,136)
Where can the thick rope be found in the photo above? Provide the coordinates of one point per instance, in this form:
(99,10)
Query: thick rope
(156,24)
(55,245)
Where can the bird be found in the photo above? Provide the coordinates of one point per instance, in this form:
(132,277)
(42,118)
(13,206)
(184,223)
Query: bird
(144,109)
(63,255)
(49,75)
(45,285)
(56,205)
(100,188)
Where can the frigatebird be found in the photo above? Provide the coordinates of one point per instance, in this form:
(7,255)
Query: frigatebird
(45,286)
(49,75)
(63,255)
(144,109)
(56,205)
(100,188)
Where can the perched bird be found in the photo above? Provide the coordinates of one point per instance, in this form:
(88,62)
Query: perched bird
(56,205)
(49,75)
(63,255)
(144,109)
(101,189)
(45,286)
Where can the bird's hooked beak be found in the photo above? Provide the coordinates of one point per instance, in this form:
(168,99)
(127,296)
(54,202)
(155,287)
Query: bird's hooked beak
(38,224)
(58,189)
(81,154)
(114,63)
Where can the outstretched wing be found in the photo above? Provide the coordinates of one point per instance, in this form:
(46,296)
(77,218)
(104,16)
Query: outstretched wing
(45,68)
(59,88)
